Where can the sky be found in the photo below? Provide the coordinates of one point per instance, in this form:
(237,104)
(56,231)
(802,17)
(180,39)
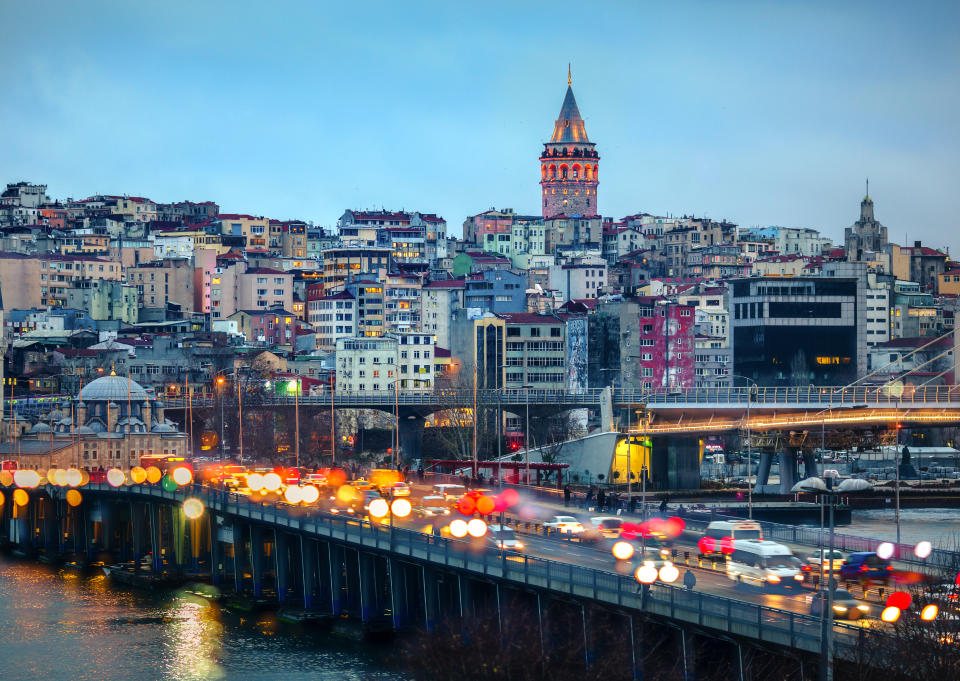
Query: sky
(762,113)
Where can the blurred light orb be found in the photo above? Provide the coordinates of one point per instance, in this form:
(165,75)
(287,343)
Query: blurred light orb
(169,484)
(293,494)
(669,573)
(476,527)
(890,614)
(6,478)
(182,475)
(74,477)
(458,528)
(138,474)
(60,477)
(51,476)
(466,505)
(485,505)
(74,498)
(272,482)
(923,549)
(153,475)
(26,478)
(706,544)
(192,508)
(622,550)
(3,499)
(899,599)
(885,550)
(310,494)
(929,612)
(378,508)
(20,497)
(510,496)
(346,494)
(115,477)
(646,573)
(401,507)
(255,482)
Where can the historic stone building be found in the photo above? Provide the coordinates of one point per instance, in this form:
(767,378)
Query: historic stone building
(866,235)
(569,165)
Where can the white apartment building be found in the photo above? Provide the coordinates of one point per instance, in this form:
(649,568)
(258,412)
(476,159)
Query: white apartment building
(404,360)
(438,301)
(333,317)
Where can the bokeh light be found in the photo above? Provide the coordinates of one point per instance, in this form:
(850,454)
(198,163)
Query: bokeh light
(52,476)
(182,475)
(726,545)
(3,499)
(60,477)
(272,482)
(929,612)
(706,545)
(485,505)
(622,550)
(629,530)
(115,477)
(378,508)
(293,494)
(153,475)
(646,573)
(346,494)
(138,474)
(401,507)
(310,494)
(336,477)
(890,614)
(899,599)
(476,528)
(6,478)
(669,573)
(20,497)
(674,527)
(26,478)
(192,508)
(168,483)
(885,550)
(255,482)
(74,498)
(923,549)
(458,528)
(466,505)
(510,497)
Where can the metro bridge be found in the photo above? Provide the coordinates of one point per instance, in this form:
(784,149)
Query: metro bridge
(397,576)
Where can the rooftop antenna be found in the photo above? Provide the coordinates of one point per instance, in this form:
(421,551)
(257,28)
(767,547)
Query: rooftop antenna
(868,187)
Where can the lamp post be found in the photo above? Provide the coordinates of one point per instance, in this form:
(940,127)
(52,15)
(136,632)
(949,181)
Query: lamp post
(750,389)
(526,433)
(826,609)
(220,381)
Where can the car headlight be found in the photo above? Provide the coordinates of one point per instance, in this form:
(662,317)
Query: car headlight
(518,545)
(447,512)
(863,608)
(773,579)
(798,577)
(840,608)
(428,512)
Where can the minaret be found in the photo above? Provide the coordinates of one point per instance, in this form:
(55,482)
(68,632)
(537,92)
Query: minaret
(569,164)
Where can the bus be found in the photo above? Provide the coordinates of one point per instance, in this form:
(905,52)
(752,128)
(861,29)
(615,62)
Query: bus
(718,530)
(765,564)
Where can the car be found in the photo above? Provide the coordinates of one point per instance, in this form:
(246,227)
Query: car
(432,506)
(845,606)
(449,491)
(365,497)
(831,561)
(395,489)
(361,484)
(607,525)
(865,566)
(565,524)
(503,537)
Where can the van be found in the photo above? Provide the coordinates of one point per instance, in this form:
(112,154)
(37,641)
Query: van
(718,530)
(765,564)
(449,491)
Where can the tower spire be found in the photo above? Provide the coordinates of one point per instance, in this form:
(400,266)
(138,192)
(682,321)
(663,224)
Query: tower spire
(868,187)
(569,75)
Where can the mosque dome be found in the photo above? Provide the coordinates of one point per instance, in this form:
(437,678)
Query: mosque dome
(113,388)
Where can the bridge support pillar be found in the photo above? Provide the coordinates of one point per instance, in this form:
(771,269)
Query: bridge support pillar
(399,595)
(368,586)
(465,589)
(50,525)
(155,544)
(216,553)
(809,465)
(281,564)
(763,470)
(239,553)
(337,567)
(136,534)
(675,462)
(788,471)
(256,559)
(308,563)
(431,601)
(411,436)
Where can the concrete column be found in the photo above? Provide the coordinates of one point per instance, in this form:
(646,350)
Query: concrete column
(368,586)
(239,553)
(788,471)
(256,559)
(155,545)
(809,464)
(399,603)
(411,436)
(465,588)
(216,553)
(335,575)
(136,530)
(308,559)
(431,604)
(281,564)
(763,471)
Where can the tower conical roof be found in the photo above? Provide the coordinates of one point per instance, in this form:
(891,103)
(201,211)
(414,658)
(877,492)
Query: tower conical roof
(569,126)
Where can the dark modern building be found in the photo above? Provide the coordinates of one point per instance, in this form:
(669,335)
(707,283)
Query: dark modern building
(796,331)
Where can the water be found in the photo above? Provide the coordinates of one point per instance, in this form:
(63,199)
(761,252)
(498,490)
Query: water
(939,526)
(59,624)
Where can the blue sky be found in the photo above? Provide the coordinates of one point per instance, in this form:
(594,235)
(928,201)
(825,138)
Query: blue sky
(761,113)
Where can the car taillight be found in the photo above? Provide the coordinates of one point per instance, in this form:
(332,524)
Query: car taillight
(889,567)
(806,568)
(863,568)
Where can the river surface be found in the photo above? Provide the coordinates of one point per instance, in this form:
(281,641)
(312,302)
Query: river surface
(939,526)
(57,624)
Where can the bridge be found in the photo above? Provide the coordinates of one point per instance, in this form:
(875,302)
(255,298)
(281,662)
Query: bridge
(392,576)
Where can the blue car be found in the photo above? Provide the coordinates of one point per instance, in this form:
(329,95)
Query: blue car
(865,566)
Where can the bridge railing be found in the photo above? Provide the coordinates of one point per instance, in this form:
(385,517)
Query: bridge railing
(772,625)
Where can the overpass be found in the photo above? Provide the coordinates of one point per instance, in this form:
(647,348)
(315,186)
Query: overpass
(388,576)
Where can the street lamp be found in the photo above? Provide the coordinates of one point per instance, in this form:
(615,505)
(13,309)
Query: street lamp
(220,381)
(826,609)
(526,433)
(750,389)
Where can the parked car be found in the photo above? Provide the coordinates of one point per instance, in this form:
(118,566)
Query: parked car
(845,606)
(565,524)
(865,566)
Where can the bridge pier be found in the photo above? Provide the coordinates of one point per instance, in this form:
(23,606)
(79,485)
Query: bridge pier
(431,597)
(809,464)
(339,600)
(763,469)
(411,435)
(400,607)
(281,564)
(675,462)
(256,559)
(788,471)
(308,561)
(238,548)
(156,558)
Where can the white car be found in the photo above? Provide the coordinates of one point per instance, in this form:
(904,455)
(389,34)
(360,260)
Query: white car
(503,537)
(607,525)
(565,524)
(831,561)
(432,506)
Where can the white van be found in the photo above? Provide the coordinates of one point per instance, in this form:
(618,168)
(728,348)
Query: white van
(719,530)
(764,564)
(449,491)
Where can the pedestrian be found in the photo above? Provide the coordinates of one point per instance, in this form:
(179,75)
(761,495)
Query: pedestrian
(601,499)
(663,505)
(566,496)
(632,506)
(587,499)
(420,473)
(689,579)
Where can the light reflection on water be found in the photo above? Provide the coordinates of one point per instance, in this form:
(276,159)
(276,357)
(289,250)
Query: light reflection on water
(59,624)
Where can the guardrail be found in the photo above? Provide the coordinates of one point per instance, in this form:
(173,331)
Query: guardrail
(763,623)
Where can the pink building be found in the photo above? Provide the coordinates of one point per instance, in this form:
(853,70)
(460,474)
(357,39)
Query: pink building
(666,342)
